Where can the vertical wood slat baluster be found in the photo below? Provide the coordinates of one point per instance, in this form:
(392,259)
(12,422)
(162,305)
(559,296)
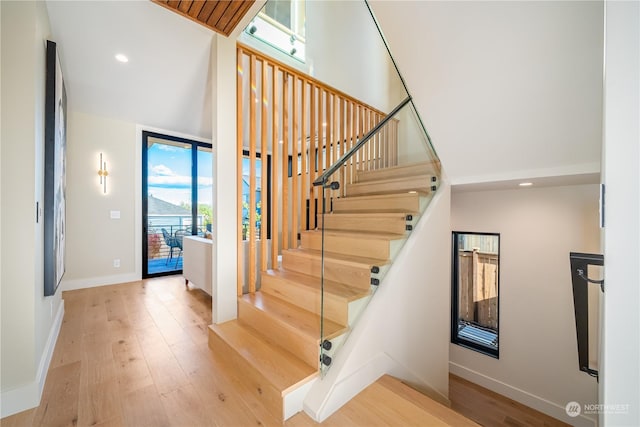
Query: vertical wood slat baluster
(343,145)
(285,159)
(294,162)
(313,158)
(304,169)
(394,135)
(372,154)
(378,144)
(328,137)
(275,185)
(239,136)
(370,148)
(352,141)
(320,148)
(361,131)
(252,175)
(385,142)
(264,212)
(350,121)
(336,142)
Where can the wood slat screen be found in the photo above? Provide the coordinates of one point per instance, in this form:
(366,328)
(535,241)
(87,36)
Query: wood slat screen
(297,127)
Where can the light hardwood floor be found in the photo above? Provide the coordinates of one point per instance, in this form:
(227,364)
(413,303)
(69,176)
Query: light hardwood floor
(492,409)
(136,354)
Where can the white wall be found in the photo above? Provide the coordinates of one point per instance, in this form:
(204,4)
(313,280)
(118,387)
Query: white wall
(405,329)
(345,51)
(93,239)
(225,215)
(29,321)
(538,227)
(506,89)
(620,383)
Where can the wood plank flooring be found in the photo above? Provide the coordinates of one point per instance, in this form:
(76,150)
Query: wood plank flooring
(136,355)
(492,409)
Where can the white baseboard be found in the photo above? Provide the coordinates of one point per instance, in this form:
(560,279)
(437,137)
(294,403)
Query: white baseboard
(92,282)
(536,402)
(28,396)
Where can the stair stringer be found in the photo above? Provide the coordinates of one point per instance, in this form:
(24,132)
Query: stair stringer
(405,330)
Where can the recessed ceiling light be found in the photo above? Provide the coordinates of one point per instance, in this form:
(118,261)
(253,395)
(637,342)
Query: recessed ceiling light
(121,58)
(525,184)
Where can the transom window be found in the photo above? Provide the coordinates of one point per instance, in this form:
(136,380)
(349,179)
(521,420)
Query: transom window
(281,23)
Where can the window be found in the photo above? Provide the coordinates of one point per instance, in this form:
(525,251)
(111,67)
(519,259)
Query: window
(475,291)
(177,199)
(282,25)
(261,196)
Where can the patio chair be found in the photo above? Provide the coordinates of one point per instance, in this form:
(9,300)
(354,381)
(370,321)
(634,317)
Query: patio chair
(179,236)
(172,242)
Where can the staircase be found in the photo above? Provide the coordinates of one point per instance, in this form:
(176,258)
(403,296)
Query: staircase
(275,341)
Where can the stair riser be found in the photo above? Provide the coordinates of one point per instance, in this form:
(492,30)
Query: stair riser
(303,347)
(355,276)
(335,309)
(381,225)
(347,245)
(409,203)
(260,388)
(397,172)
(422,185)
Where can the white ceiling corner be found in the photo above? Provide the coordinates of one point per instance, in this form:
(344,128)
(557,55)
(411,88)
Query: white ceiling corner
(165,84)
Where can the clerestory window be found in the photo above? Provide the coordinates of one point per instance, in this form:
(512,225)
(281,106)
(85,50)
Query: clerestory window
(281,23)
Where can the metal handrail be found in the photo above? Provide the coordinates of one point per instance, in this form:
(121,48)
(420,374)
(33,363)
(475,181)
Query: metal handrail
(322,179)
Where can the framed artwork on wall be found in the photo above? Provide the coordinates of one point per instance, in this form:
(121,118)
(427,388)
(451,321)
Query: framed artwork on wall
(55,148)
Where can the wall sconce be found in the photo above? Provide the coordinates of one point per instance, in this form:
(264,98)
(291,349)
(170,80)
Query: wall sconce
(102,172)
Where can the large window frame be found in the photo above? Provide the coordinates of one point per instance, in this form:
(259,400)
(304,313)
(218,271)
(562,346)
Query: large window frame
(145,192)
(457,325)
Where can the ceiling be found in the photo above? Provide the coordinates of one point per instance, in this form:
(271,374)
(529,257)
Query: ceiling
(501,100)
(222,16)
(165,84)
(509,91)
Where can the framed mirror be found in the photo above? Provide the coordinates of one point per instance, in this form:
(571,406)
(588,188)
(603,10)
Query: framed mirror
(475,293)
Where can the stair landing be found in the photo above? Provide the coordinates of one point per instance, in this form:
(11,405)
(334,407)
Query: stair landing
(389,402)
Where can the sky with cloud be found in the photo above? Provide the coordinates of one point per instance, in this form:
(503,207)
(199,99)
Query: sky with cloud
(169,174)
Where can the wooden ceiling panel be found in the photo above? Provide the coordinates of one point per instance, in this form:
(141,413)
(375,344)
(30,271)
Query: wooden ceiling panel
(195,9)
(185,5)
(221,16)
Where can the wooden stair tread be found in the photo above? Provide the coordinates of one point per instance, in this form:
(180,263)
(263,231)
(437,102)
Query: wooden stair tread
(424,402)
(419,177)
(340,290)
(282,369)
(294,317)
(390,408)
(345,259)
(385,203)
(392,215)
(411,169)
(359,234)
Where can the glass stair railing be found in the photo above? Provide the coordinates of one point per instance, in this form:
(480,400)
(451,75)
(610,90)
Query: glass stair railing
(372,198)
